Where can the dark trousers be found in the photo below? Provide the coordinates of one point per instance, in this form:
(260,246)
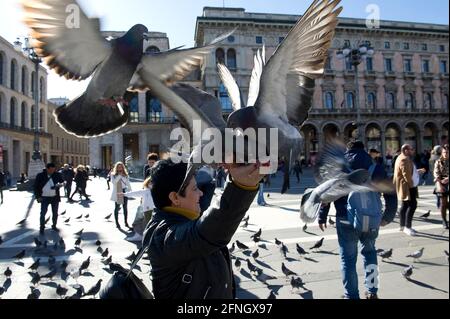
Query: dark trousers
(1,193)
(408,208)
(68,189)
(80,190)
(54,202)
(125,211)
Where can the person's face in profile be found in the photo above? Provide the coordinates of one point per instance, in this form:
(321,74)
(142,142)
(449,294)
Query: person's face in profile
(191,200)
(151,163)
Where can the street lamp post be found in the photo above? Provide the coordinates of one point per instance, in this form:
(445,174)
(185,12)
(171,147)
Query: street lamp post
(37,164)
(355,56)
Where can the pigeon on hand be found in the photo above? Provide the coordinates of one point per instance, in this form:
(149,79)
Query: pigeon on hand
(61,291)
(35,265)
(287,272)
(335,178)
(94,290)
(300,250)
(318,244)
(84,265)
(281,91)
(385,254)
(7,272)
(78,53)
(417,254)
(407,272)
(426,215)
(241,245)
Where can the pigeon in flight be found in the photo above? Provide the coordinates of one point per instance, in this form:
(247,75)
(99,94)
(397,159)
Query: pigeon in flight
(281,90)
(81,52)
(417,254)
(336,180)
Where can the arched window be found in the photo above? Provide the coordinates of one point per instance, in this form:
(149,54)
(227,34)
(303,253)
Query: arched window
(409,101)
(41,90)
(224,99)
(350,98)
(13,74)
(33,84)
(42,119)
(428,101)
(231,59)
(220,56)
(152,49)
(390,101)
(12,113)
(23,113)
(33,110)
(2,61)
(329,100)
(24,80)
(371,101)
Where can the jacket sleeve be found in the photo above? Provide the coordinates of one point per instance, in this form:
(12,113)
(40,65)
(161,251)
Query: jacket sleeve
(37,187)
(212,231)
(407,176)
(139,193)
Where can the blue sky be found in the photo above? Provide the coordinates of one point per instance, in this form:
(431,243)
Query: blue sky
(177,18)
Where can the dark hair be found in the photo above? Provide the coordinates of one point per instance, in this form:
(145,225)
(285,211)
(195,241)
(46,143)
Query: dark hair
(356,145)
(51,165)
(167,177)
(152,157)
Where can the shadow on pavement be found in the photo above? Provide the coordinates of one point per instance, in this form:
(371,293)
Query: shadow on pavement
(424,285)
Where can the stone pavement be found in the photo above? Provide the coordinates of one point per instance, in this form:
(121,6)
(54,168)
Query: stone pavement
(320,270)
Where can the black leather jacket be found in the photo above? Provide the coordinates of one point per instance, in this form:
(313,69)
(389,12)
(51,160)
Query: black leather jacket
(189,258)
(42,179)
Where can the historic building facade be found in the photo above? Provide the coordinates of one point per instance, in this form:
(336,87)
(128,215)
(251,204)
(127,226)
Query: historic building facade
(149,126)
(17,110)
(403,87)
(65,148)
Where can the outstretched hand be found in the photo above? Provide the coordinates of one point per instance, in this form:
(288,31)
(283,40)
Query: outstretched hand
(248,175)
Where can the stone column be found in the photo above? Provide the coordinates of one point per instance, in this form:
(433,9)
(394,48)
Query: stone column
(143,147)
(118,147)
(142,108)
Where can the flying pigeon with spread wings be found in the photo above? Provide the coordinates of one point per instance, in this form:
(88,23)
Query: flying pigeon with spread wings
(79,52)
(281,90)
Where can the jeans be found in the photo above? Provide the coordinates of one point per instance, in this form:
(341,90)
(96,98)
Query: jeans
(348,238)
(260,200)
(54,202)
(408,209)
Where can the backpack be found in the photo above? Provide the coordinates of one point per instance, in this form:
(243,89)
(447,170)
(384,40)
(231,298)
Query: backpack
(364,209)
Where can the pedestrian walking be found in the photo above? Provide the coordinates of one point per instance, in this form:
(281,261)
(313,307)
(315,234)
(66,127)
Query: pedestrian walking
(68,175)
(120,184)
(46,192)
(2,185)
(81,178)
(297,170)
(441,175)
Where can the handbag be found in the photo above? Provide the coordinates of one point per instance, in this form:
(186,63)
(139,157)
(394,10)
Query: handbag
(124,284)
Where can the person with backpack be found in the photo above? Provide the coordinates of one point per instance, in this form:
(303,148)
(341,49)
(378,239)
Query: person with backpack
(358,218)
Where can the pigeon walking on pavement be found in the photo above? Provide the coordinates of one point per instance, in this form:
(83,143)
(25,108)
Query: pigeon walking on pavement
(241,245)
(426,215)
(407,272)
(94,290)
(20,255)
(300,250)
(286,271)
(84,265)
(318,244)
(417,254)
(61,291)
(386,254)
(7,272)
(35,265)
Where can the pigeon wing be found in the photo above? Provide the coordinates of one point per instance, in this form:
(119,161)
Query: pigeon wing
(230,84)
(332,162)
(255,80)
(173,65)
(72,48)
(287,82)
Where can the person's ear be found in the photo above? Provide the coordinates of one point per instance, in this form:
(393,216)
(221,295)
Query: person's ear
(173,196)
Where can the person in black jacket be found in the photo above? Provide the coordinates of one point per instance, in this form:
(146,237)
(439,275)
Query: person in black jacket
(68,175)
(81,178)
(46,192)
(188,250)
(152,158)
